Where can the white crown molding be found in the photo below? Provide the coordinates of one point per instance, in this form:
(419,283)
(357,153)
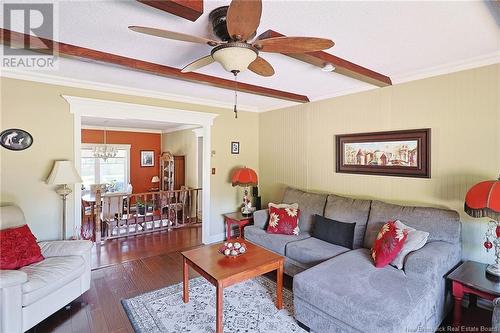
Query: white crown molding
(90,107)
(122,129)
(344,92)
(484,60)
(475,62)
(180,128)
(117,89)
(283,105)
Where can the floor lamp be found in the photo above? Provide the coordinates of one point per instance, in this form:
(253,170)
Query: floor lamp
(63,173)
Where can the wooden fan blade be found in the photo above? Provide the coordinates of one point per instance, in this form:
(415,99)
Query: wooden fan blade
(293,44)
(202,62)
(173,35)
(243,18)
(261,67)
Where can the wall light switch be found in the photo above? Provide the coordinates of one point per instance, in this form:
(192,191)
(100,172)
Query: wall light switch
(213,171)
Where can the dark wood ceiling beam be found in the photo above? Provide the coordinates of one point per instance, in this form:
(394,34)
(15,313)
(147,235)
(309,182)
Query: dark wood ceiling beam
(342,66)
(17,40)
(188,9)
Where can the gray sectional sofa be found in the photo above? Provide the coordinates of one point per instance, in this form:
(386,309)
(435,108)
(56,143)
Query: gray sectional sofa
(337,289)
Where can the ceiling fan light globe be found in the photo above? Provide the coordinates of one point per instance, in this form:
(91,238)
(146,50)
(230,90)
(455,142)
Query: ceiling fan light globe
(234,57)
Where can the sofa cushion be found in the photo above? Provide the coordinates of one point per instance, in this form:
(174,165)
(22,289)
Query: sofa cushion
(260,218)
(334,232)
(50,274)
(312,251)
(433,261)
(441,224)
(350,288)
(309,204)
(350,211)
(273,242)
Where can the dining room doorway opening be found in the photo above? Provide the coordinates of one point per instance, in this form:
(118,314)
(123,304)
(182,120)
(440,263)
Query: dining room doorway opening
(123,152)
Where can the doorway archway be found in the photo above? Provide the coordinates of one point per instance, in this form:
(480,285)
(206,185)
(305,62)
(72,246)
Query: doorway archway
(106,109)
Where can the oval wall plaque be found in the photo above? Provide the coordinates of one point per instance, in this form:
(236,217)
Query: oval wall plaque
(15,139)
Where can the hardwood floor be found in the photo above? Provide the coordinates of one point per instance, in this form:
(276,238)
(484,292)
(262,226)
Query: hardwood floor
(129,267)
(126,249)
(150,262)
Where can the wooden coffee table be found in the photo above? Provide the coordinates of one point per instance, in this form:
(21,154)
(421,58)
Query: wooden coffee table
(223,272)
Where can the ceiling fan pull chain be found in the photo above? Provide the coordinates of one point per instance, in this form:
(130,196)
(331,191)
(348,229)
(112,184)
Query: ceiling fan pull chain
(235,94)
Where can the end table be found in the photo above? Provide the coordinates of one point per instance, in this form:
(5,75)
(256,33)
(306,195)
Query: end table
(470,278)
(239,219)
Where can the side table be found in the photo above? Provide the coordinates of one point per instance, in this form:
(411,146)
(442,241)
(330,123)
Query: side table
(239,219)
(470,278)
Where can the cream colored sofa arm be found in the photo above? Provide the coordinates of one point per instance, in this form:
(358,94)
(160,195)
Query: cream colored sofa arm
(65,248)
(11,296)
(9,278)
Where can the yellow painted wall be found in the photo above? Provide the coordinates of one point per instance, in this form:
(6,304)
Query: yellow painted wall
(462,109)
(40,109)
(184,143)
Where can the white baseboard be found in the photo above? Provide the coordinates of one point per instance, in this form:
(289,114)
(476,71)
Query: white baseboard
(215,238)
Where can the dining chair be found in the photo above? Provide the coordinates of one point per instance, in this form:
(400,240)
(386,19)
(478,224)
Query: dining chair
(184,200)
(112,212)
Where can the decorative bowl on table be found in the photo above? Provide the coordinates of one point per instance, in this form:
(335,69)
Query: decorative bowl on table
(233,249)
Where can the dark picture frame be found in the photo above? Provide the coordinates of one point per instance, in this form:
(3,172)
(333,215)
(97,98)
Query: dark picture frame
(15,139)
(147,158)
(235,147)
(405,153)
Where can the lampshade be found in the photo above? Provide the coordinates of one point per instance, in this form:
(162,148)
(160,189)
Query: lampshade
(155,179)
(483,200)
(234,56)
(63,172)
(244,177)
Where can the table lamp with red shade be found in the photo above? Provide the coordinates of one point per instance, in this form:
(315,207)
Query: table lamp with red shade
(483,200)
(245,177)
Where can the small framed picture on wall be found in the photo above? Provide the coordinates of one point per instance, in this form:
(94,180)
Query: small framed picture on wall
(235,147)
(147,158)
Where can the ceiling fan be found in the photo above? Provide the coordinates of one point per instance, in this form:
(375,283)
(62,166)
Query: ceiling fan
(235,25)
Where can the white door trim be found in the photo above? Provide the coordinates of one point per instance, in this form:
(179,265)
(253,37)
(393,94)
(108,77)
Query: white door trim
(89,107)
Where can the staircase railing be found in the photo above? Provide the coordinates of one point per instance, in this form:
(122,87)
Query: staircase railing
(123,215)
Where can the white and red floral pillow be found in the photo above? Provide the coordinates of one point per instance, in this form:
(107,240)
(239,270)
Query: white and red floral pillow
(389,242)
(284,219)
(415,240)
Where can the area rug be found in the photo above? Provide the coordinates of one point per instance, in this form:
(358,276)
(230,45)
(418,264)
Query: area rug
(248,307)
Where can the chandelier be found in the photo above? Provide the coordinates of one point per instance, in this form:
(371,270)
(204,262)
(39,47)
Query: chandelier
(104,151)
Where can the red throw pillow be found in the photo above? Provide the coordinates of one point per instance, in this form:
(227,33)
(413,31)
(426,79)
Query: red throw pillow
(283,219)
(18,248)
(389,242)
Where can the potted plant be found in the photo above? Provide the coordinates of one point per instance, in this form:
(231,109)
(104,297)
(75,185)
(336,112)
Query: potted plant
(143,207)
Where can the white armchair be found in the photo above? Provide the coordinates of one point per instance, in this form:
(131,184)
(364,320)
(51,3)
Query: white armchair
(34,292)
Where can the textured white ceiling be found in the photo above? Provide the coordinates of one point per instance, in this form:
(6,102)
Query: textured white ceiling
(400,39)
